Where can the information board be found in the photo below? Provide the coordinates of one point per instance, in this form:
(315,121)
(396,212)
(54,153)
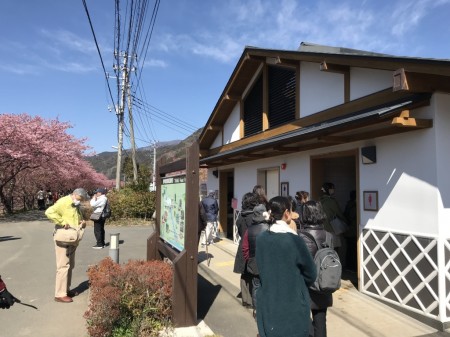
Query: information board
(173,211)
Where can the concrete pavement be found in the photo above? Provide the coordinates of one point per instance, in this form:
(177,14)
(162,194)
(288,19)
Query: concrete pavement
(27,265)
(352,315)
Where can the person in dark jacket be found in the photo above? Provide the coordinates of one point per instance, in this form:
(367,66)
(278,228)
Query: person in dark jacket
(286,270)
(211,209)
(249,201)
(260,218)
(313,217)
(301,197)
(201,221)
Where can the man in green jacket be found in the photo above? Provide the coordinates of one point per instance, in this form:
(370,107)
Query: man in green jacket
(331,208)
(65,213)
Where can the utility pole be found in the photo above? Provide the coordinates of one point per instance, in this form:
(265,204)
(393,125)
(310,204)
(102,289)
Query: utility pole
(154,168)
(120,115)
(133,144)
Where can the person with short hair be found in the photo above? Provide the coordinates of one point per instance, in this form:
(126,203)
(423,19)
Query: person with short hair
(65,213)
(98,203)
(211,209)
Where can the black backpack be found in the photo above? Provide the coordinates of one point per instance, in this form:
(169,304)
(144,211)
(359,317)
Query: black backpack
(106,213)
(329,268)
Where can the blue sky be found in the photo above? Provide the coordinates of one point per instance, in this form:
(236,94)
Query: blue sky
(49,65)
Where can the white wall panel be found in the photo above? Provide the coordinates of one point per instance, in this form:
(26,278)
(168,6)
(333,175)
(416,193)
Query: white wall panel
(319,90)
(441,104)
(218,141)
(364,82)
(231,127)
(405,178)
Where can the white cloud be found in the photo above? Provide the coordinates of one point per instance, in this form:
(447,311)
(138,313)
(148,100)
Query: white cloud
(223,33)
(156,63)
(68,40)
(19,69)
(408,14)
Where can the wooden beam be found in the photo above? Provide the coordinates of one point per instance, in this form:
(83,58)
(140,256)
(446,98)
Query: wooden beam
(412,122)
(214,128)
(418,82)
(230,97)
(255,156)
(273,60)
(285,148)
(333,139)
(334,68)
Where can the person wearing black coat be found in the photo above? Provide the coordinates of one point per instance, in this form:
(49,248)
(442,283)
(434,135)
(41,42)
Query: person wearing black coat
(312,219)
(249,201)
(259,224)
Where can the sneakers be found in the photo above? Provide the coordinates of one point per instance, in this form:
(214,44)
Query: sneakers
(98,247)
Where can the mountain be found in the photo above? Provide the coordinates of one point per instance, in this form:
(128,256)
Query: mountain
(106,162)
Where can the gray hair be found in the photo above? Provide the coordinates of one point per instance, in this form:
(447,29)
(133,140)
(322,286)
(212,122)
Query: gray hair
(82,193)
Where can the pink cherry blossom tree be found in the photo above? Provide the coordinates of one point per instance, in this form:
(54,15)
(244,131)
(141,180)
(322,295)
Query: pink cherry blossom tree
(35,152)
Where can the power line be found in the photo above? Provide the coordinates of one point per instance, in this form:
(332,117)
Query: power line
(98,49)
(164,115)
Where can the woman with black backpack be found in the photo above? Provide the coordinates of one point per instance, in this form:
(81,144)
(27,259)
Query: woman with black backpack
(313,232)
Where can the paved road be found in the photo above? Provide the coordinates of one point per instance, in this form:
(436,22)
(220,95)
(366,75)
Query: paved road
(27,266)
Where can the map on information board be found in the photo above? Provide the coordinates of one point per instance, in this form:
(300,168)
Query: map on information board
(173,211)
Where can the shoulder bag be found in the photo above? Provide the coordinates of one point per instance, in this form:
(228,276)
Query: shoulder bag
(69,236)
(95,216)
(338,225)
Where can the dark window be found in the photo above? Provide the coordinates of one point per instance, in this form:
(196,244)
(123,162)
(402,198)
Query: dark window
(282,92)
(253,108)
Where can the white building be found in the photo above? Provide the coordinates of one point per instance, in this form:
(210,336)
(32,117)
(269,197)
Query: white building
(374,123)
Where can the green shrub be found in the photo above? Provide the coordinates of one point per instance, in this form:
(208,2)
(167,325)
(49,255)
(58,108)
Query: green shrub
(132,300)
(129,203)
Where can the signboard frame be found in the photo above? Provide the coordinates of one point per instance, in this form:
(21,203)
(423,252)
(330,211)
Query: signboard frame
(185,261)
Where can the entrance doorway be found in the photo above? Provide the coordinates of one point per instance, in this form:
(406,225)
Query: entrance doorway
(269,179)
(341,169)
(226,217)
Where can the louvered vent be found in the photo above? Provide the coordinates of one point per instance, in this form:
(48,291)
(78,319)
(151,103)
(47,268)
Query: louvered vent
(281,96)
(253,108)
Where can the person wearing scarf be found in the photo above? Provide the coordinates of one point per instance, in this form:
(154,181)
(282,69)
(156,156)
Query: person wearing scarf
(286,270)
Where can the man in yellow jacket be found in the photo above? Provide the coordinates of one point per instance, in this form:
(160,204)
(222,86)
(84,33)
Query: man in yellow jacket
(65,213)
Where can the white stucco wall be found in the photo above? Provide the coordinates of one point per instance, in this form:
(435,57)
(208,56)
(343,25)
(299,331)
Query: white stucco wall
(218,141)
(442,126)
(405,177)
(231,126)
(314,84)
(364,81)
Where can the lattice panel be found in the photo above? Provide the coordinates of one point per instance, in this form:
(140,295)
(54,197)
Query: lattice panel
(236,236)
(447,277)
(403,269)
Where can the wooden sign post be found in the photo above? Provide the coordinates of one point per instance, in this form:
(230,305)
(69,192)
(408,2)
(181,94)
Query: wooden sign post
(175,236)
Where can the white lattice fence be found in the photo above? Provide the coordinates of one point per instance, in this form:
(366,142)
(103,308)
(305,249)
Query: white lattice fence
(402,269)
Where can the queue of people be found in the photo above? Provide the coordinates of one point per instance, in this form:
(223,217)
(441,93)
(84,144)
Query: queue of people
(275,257)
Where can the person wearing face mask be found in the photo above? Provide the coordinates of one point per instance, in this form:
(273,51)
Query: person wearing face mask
(331,208)
(65,213)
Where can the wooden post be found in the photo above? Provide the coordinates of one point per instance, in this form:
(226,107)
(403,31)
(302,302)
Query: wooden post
(184,261)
